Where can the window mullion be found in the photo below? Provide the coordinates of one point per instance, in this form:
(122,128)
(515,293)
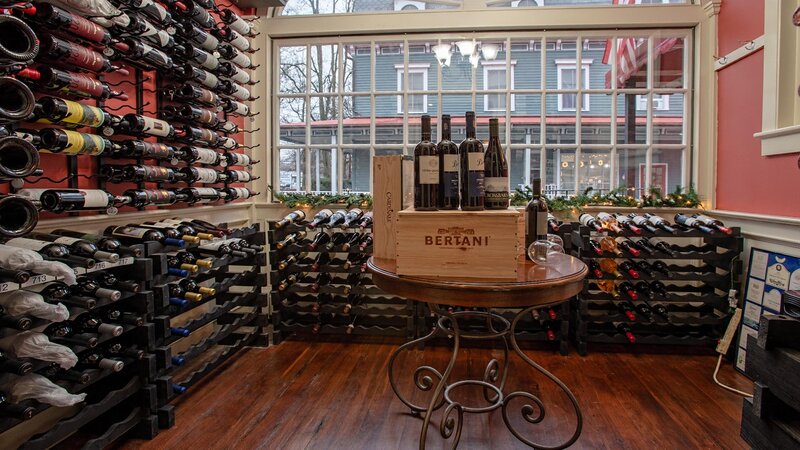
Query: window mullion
(508,95)
(543,114)
(307,100)
(406,99)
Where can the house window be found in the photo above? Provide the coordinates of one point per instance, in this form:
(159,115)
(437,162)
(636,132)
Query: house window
(568,80)
(550,46)
(408,5)
(660,102)
(391,50)
(494,78)
(417,81)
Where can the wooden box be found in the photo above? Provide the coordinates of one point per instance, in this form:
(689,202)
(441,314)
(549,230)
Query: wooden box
(388,194)
(458,244)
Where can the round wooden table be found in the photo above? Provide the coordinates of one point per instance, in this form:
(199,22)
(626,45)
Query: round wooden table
(536,287)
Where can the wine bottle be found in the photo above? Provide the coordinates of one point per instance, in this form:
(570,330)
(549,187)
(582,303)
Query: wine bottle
(589,220)
(660,266)
(712,223)
(157,13)
(608,287)
(365,243)
(659,222)
(322,279)
(195,12)
(131,149)
(110,281)
(496,171)
(184,228)
(218,249)
(536,213)
(472,173)
(227,34)
(595,268)
(18,103)
(625,330)
(626,245)
(628,289)
(200,115)
(169,233)
(57,51)
(236,23)
(230,70)
(78,246)
(609,266)
(448,168)
(14,275)
(642,222)
(104,243)
(352,240)
(55,110)
(320,218)
(231,106)
(116,351)
(629,268)
(89,287)
(190,258)
(70,142)
(661,246)
(188,52)
(200,195)
(366,221)
(19,323)
(549,331)
(60,200)
(140,235)
(238,176)
(67,333)
(659,288)
(644,245)
(229,87)
(19,217)
(553,223)
(336,218)
(643,309)
(627,222)
(137,125)
(20,158)
(51,251)
(642,266)
(210,227)
(199,37)
(608,244)
(200,175)
(237,193)
(229,53)
(351,217)
(294,258)
(243,245)
(176,267)
(140,173)
(337,239)
(595,246)
(320,239)
(661,311)
(146,56)
(179,331)
(188,72)
(54,18)
(96,360)
(296,216)
(188,92)
(609,222)
(15,366)
(15,410)
(86,322)
(190,285)
(57,291)
(290,280)
(67,84)
(294,238)
(643,289)
(693,222)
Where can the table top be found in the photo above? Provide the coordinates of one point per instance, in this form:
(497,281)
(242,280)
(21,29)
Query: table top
(541,285)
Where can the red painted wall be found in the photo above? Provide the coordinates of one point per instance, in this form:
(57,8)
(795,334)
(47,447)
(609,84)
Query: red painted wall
(746,181)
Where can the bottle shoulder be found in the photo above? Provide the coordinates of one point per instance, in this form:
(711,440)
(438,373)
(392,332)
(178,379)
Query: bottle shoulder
(447,147)
(426,148)
(470,145)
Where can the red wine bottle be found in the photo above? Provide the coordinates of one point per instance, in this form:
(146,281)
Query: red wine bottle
(626,222)
(320,218)
(712,223)
(589,220)
(448,168)
(536,213)
(139,198)
(199,37)
(628,289)
(229,35)
(496,171)
(229,53)
(104,243)
(472,173)
(200,195)
(188,72)
(320,239)
(629,268)
(157,13)
(625,330)
(626,245)
(196,13)
(140,173)
(67,84)
(145,55)
(137,125)
(238,176)
(237,193)
(190,53)
(198,115)
(659,222)
(595,268)
(190,93)
(55,18)
(237,23)
(661,246)
(79,247)
(138,235)
(693,222)
(552,223)
(54,50)
(60,200)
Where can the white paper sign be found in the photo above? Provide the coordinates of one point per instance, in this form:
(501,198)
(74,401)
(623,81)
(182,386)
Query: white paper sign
(758,266)
(752,314)
(772,300)
(755,290)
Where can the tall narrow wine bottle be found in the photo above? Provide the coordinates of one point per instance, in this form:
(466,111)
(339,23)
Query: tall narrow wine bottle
(535,216)
(448,168)
(472,173)
(495,170)
(426,170)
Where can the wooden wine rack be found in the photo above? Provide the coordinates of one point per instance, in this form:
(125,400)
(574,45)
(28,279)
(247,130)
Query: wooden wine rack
(701,277)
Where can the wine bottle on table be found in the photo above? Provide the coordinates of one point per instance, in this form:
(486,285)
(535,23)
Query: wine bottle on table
(536,213)
(104,243)
(448,168)
(472,170)
(426,170)
(79,247)
(495,171)
(140,235)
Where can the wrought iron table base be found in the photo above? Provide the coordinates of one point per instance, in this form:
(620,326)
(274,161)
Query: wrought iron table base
(453,415)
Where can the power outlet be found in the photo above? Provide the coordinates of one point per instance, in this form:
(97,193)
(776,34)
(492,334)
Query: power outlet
(725,343)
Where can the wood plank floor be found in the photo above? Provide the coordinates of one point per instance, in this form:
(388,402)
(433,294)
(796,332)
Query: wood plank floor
(300,395)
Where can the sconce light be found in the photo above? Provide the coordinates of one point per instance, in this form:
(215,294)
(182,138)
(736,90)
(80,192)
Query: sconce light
(442,52)
(490,51)
(466,48)
(474,59)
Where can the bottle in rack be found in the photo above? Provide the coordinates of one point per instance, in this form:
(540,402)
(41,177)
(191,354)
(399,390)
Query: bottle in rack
(629,268)
(19,323)
(86,322)
(297,216)
(661,246)
(590,221)
(190,93)
(51,251)
(170,233)
(366,221)
(626,331)
(110,281)
(61,200)
(53,50)
(644,245)
(140,235)
(96,360)
(138,125)
(594,267)
(55,110)
(89,287)
(294,238)
(713,223)
(472,170)
(553,224)
(628,289)
(642,222)
(627,222)
(626,245)
(536,216)
(66,333)
(320,239)
(218,249)
(79,247)
(292,259)
(608,244)
(692,222)
(73,85)
(609,222)
(659,222)
(236,23)
(104,243)
(495,171)
(426,170)
(55,18)
(352,217)
(68,142)
(610,267)
(132,149)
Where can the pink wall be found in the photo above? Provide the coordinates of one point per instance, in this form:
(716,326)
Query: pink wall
(746,181)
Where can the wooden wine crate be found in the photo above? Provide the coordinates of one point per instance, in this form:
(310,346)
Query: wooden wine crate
(460,244)
(391,193)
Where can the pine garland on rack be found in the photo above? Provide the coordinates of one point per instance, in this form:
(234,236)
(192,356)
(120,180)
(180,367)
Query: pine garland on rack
(520,197)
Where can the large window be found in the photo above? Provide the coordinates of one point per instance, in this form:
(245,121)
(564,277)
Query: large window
(622,124)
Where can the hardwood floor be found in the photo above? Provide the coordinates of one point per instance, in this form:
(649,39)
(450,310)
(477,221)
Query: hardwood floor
(301,395)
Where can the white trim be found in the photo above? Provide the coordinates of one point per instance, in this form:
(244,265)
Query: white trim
(586,78)
(412,68)
(663,105)
(741,52)
(498,66)
(400,4)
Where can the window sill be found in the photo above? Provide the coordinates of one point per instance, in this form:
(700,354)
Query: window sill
(780,141)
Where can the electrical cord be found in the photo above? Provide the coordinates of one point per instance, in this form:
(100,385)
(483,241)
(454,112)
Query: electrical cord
(726,387)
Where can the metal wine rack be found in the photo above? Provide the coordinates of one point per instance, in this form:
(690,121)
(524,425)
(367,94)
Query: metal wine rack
(697,290)
(374,312)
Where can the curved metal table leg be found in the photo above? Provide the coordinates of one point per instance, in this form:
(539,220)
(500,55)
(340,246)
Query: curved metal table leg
(528,410)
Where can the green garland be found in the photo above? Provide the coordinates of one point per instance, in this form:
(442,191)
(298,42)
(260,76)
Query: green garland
(313,200)
(520,197)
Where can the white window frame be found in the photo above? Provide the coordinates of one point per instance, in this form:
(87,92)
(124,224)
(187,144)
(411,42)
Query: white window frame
(571,64)
(498,65)
(400,4)
(660,102)
(412,68)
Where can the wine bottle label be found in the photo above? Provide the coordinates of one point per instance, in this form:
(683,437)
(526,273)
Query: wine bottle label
(428,169)
(239,41)
(207,97)
(156,173)
(66,240)
(206,195)
(209,80)
(240,26)
(206,176)
(31,194)
(241,175)
(241,77)
(240,92)
(476,187)
(155,127)
(85,28)
(228,143)
(240,108)
(451,163)
(208,42)
(154,9)
(156,151)
(94,198)
(240,159)
(207,135)
(80,114)
(83,57)
(83,86)
(30,244)
(496,185)
(475,161)
(241,60)
(135,232)
(541,223)
(207,117)
(207,156)
(242,193)
(228,127)
(83,144)
(158,196)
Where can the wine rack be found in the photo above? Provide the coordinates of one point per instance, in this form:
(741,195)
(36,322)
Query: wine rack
(227,320)
(701,270)
(338,308)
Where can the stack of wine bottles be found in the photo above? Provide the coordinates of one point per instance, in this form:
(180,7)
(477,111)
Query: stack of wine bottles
(73,331)
(319,283)
(655,282)
(54,78)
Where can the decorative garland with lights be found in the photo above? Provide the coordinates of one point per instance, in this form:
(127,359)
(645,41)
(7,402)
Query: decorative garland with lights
(520,197)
